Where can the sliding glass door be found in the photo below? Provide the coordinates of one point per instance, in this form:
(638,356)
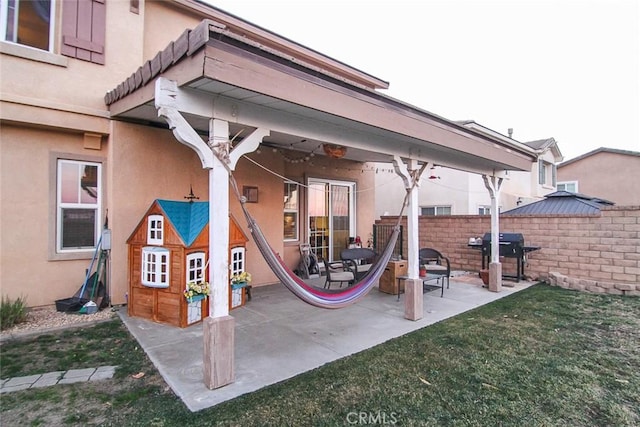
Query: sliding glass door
(331,216)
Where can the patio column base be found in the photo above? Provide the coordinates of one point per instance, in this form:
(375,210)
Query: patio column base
(413,299)
(219,337)
(495,277)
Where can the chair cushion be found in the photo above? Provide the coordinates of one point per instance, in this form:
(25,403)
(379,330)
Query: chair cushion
(344,276)
(364,268)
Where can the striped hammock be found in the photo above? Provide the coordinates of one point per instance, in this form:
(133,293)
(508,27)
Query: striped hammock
(312,295)
(307,293)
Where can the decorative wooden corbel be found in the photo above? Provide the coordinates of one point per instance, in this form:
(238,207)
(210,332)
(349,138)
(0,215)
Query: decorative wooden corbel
(410,178)
(248,144)
(166,104)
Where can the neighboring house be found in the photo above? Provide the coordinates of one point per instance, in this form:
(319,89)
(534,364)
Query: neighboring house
(446,191)
(562,202)
(604,172)
(82,139)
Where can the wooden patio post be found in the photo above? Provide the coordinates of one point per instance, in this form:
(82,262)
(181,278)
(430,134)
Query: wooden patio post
(219,327)
(413,300)
(218,331)
(493,184)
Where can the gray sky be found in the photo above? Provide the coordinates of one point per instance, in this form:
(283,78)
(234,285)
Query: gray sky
(563,69)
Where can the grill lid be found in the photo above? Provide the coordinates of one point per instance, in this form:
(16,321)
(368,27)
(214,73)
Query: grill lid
(506,238)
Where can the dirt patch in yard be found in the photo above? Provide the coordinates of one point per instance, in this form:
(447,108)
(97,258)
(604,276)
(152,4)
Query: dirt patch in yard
(47,319)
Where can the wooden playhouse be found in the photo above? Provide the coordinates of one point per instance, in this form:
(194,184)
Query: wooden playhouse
(170,248)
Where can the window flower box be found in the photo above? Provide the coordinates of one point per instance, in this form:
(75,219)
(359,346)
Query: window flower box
(197,291)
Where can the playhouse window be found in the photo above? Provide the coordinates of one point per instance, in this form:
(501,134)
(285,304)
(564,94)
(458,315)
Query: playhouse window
(155,267)
(195,267)
(237,260)
(155,230)
(78,205)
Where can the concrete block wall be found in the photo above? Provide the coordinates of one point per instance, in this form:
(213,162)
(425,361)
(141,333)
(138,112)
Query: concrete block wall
(604,248)
(594,286)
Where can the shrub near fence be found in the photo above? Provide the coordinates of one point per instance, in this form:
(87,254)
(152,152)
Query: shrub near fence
(597,253)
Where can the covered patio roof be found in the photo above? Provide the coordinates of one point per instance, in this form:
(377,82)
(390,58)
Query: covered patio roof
(231,70)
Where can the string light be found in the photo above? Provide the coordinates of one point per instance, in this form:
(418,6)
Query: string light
(294,157)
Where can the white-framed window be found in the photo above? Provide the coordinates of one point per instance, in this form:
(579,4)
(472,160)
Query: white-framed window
(237,266)
(195,268)
(484,210)
(78,205)
(435,210)
(155,267)
(571,186)
(28,23)
(237,260)
(155,230)
(291,214)
(546,173)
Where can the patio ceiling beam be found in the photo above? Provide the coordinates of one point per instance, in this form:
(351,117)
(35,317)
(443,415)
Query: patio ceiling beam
(196,103)
(290,101)
(256,73)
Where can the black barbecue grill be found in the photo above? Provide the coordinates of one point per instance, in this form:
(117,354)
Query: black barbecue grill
(511,246)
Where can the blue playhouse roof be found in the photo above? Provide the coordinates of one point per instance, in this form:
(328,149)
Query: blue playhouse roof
(187,218)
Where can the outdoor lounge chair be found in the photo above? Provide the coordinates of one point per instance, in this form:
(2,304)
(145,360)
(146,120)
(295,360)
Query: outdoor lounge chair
(337,272)
(437,266)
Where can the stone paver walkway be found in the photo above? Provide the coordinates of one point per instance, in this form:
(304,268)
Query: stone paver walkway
(57,377)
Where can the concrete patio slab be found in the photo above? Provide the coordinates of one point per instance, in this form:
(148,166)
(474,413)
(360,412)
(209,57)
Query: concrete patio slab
(279,336)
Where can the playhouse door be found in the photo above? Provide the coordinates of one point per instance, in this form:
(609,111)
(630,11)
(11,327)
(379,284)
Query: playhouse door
(236,296)
(196,273)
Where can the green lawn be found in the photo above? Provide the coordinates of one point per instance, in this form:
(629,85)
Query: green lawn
(542,357)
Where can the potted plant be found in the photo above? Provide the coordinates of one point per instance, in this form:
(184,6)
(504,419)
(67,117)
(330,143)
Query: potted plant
(197,291)
(240,280)
(484,275)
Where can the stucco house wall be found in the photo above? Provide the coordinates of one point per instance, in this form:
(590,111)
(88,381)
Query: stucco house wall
(53,106)
(605,173)
(29,266)
(538,190)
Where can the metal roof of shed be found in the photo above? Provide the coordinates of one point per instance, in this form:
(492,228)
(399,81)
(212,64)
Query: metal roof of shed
(562,202)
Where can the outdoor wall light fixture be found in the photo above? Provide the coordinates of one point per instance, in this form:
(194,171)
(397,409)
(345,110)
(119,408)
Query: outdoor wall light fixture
(250,193)
(334,151)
